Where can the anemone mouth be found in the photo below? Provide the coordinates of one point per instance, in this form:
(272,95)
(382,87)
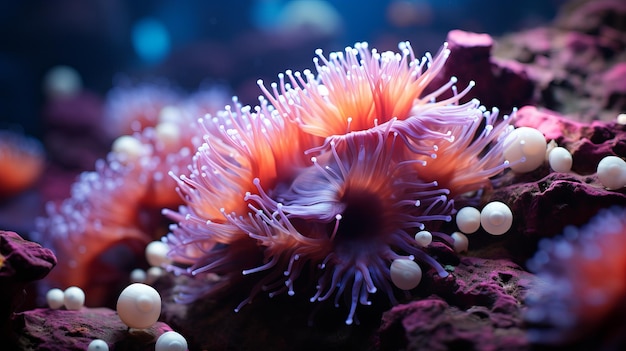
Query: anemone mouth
(364,216)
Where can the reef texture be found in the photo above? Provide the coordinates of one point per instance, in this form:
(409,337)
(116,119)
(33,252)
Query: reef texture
(21,262)
(577,64)
(47,329)
(478,309)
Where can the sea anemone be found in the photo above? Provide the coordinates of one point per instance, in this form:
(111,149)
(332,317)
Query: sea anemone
(22,161)
(332,172)
(119,203)
(580,287)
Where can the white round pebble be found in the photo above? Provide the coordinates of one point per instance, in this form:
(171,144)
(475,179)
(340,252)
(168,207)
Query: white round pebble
(138,275)
(156,253)
(621,118)
(171,341)
(168,134)
(461,242)
(129,149)
(612,172)
(98,345)
(560,159)
(55,298)
(496,218)
(468,220)
(405,273)
(528,144)
(139,306)
(424,238)
(73,298)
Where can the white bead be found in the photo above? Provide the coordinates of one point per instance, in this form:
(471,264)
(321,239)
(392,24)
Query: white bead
(405,274)
(156,253)
(461,242)
(129,149)
(621,118)
(171,341)
(168,133)
(73,298)
(525,143)
(139,306)
(560,159)
(468,220)
(612,172)
(170,114)
(55,298)
(138,275)
(496,218)
(98,345)
(424,238)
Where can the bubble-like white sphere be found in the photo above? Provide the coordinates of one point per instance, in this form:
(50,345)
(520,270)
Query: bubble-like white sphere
(496,218)
(612,172)
(168,133)
(460,242)
(525,143)
(129,149)
(560,159)
(54,298)
(468,220)
(156,253)
(405,273)
(74,298)
(424,238)
(139,306)
(98,345)
(62,81)
(138,275)
(171,341)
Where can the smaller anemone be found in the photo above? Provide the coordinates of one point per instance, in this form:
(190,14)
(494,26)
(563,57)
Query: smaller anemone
(357,89)
(580,287)
(118,205)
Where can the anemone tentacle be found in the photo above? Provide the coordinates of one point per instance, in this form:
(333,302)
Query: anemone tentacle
(355,90)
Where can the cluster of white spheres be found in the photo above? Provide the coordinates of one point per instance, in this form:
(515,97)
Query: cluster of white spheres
(171,341)
(525,149)
(496,218)
(73,298)
(612,172)
(139,306)
(168,341)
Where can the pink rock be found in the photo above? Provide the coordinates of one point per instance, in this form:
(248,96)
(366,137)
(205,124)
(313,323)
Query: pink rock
(481,313)
(588,142)
(21,262)
(499,83)
(47,329)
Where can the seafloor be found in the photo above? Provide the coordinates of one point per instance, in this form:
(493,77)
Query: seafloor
(569,80)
